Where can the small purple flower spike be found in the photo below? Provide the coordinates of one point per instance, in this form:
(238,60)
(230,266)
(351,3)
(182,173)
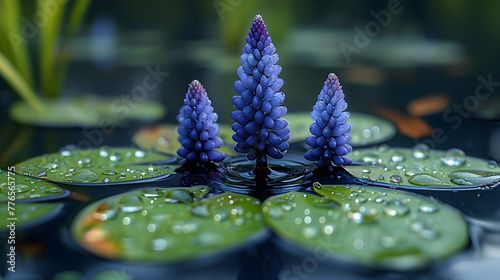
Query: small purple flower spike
(259,129)
(198,130)
(330,130)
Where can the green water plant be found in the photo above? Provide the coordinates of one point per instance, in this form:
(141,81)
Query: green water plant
(17,31)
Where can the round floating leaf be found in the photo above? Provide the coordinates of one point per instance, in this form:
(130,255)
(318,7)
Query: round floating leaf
(167,224)
(97,166)
(373,227)
(27,214)
(86,110)
(421,166)
(163,138)
(366,129)
(20,187)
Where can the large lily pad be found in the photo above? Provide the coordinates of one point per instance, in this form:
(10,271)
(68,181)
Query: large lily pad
(421,166)
(20,187)
(27,214)
(366,129)
(373,227)
(163,138)
(85,110)
(167,224)
(97,166)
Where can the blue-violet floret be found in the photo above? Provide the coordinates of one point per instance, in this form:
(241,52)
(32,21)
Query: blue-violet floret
(259,130)
(330,130)
(198,130)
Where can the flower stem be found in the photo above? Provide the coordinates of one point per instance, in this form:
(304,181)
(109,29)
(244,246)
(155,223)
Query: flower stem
(261,171)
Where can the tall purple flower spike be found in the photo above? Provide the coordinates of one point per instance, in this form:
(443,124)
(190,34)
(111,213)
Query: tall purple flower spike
(198,130)
(330,130)
(259,129)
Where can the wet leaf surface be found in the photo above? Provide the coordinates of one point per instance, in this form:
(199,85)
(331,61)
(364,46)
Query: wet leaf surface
(27,214)
(22,187)
(86,110)
(163,138)
(366,129)
(97,166)
(373,227)
(421,166)
(167,224)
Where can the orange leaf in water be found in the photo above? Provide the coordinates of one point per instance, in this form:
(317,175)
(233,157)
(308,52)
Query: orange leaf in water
(407,125)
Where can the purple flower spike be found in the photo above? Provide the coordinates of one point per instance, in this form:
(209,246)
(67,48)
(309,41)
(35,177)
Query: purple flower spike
(259,129)
(330,130)
(198,130)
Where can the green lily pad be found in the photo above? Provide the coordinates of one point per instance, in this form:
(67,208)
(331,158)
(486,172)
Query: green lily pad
(97,166)
(366,129)
(167,224)
(20,187)
(372,227)
(85,110)
(26,214)
(421,166)
(163,138)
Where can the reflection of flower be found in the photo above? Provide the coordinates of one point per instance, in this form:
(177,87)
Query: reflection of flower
(259,129)
(330,130)
(198,130)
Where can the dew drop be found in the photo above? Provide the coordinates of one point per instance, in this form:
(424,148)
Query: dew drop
(106,180)
(472,177)
(328,229)
(366,170)
(325,202)
(159,244)
(110,172)
(177,196)
(152,193)
(396,179)
(48,165)
(423,179)
(389,241)
(201,211)
(421,151)
(54,190)
(84,176)
(139,154)
(65,153)
(207,238)
(42,173)
(115,157)
(103,153)
(370,158)
(492,164)
(412,170)
(396,207)
(428,207)
(425,230)
(381,178)
(131,203)
(309,232)
(397,157)
(276,212)
(20,188)
(454,157)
